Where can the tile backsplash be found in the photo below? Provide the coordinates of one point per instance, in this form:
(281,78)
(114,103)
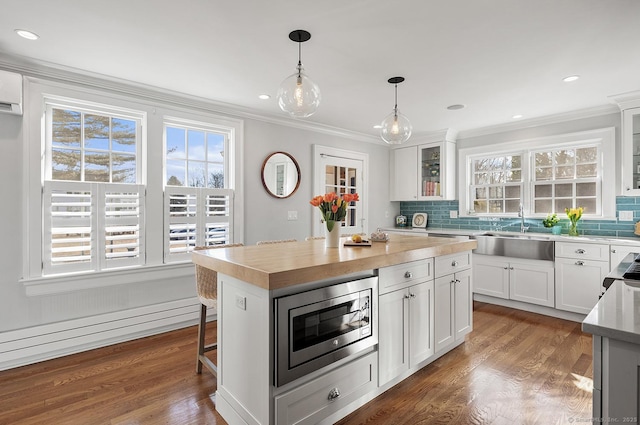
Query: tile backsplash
(439,218)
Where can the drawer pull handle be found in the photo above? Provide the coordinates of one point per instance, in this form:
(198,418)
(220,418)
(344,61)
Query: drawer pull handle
(408,275)
(580,251)
(579,263)
(454,263)
(333,394)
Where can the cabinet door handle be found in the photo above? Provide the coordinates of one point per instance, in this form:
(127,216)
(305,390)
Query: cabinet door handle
(454,263)
(506,268)
(457,281)
(408,275)
(579,263)
(412,295)
(333,394)
(511,268)
(580,251)
(406,297)
(613,251)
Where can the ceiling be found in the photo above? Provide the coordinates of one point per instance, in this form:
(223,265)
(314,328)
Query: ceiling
(497,57)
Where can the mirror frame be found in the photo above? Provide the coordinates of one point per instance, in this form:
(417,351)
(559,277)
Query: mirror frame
(264,183)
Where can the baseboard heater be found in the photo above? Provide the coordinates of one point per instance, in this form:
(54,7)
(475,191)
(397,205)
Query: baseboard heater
(31,345)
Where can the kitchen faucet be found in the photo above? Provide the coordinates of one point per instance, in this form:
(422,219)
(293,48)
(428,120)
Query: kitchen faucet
(523,228)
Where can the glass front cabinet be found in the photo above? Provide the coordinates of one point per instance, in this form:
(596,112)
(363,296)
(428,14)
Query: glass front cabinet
(424,172)
(629,103)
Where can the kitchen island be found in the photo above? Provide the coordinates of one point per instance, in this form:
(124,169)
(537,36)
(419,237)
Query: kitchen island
(252,279)
(615,325)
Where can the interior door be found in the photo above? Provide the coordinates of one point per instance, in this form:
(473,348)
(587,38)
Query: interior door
(342,172)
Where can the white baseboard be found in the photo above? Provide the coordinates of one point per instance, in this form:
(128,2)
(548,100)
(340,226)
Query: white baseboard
(533,308)
(31,345)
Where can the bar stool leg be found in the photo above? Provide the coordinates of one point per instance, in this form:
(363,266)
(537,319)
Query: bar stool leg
(201,332)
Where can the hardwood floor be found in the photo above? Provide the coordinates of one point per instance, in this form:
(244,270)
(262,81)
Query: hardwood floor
(515,368)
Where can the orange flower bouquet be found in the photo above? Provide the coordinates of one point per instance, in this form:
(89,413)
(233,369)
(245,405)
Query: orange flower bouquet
(333,207)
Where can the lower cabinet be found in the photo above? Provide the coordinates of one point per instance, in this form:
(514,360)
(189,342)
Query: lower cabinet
(530,281)
(453,308)
(318,399)
(405,330)
(579,283)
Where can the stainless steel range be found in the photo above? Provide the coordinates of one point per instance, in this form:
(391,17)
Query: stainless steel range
(318,327)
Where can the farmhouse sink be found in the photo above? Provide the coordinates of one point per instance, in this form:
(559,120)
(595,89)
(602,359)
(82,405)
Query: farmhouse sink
(520,245)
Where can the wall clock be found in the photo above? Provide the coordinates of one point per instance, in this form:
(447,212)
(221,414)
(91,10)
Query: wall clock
(419,220)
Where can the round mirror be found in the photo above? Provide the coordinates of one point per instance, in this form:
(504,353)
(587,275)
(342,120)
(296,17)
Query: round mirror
(280,175)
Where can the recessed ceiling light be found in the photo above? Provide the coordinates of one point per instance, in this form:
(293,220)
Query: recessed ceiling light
(377,126)
(264,96)
(27,34)
(570,78)
(517,116)
(455,107)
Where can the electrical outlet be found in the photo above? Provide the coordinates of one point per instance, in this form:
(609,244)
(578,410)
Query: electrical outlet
(292,215)
(453,214)
(241,302)
(625,215)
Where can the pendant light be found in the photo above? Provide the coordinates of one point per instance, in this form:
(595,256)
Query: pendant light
(298,95)
(396,128)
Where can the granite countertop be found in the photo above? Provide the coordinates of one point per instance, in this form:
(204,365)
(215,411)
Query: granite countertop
(276,266)
(617,314)
(470,232)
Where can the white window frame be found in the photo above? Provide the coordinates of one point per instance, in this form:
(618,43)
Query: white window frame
(472,186)
(199,218)
(155,106)
(102,218)
(604,138)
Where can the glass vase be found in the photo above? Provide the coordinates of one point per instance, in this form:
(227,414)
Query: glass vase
(573,228)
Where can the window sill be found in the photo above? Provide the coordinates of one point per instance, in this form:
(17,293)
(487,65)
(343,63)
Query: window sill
(47,285)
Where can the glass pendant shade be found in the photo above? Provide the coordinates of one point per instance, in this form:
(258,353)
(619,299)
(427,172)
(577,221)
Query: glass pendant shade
(396,128)
(298,95)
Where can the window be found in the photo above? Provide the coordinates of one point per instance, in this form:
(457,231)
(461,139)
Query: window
(198,194)
(497,184)
(93,202)
(566,178)
(546,175)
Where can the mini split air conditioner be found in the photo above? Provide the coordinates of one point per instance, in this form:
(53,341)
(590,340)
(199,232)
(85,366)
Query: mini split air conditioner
(10,93)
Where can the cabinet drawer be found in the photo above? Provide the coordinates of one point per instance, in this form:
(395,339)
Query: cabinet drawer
(402,275)
(452,263)
(312,402)
(582,251)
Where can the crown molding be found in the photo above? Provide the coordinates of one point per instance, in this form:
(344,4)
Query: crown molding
(626,100)
(61,74)
(540,121)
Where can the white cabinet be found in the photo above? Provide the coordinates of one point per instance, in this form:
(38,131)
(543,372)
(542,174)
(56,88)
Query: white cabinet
(580,270)
(423,172)
(406,318)
(453,308)
(631,151)
(453,299)
(530,281)
(618,252)
(321,397)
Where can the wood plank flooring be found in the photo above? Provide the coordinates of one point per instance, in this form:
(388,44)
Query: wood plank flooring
(515,368)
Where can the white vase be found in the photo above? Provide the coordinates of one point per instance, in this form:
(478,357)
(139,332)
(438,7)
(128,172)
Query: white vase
(332,238)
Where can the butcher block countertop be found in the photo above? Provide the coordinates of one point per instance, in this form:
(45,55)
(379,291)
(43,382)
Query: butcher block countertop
(276,266)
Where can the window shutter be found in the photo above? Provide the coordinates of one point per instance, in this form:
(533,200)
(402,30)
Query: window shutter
(122,206)
(70,223)
(196,217)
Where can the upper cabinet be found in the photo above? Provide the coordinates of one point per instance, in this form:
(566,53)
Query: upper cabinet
(424,172)
(631,149)
(629,103)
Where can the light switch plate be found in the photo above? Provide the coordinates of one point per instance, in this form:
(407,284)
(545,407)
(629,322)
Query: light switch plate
(625,215)
(453,214)
(241,302)
(292,215)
